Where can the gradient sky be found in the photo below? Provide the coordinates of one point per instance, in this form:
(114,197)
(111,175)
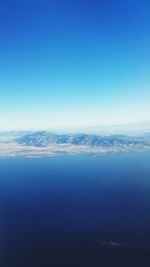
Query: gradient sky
(74,63)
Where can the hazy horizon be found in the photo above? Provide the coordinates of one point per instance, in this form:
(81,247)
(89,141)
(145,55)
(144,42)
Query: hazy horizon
(135,127)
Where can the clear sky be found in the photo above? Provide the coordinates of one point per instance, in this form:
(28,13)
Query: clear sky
(74,63)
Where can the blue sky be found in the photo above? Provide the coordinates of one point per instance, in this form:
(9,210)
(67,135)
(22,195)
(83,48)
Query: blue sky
(67,64)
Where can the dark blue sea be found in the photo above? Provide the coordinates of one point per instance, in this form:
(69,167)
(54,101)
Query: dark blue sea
(54,211)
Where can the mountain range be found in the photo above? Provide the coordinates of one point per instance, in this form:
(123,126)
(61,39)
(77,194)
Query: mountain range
(44,139)
(46,143)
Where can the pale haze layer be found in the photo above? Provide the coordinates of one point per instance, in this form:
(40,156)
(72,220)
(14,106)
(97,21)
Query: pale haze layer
(66,64)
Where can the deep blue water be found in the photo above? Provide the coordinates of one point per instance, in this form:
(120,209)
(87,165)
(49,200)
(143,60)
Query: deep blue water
(54,211)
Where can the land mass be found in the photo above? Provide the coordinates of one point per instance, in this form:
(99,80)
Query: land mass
(45,143)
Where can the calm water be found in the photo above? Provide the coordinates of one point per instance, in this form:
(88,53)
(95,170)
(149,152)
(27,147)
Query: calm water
(54,211)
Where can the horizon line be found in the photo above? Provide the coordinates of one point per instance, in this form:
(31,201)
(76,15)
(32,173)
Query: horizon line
(90,127)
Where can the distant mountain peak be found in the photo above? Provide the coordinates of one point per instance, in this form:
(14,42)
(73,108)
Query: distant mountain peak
(44,139)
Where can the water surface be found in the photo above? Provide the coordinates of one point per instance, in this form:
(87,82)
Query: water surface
(54,211)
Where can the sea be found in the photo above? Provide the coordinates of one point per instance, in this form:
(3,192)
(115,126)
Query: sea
(75,210)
